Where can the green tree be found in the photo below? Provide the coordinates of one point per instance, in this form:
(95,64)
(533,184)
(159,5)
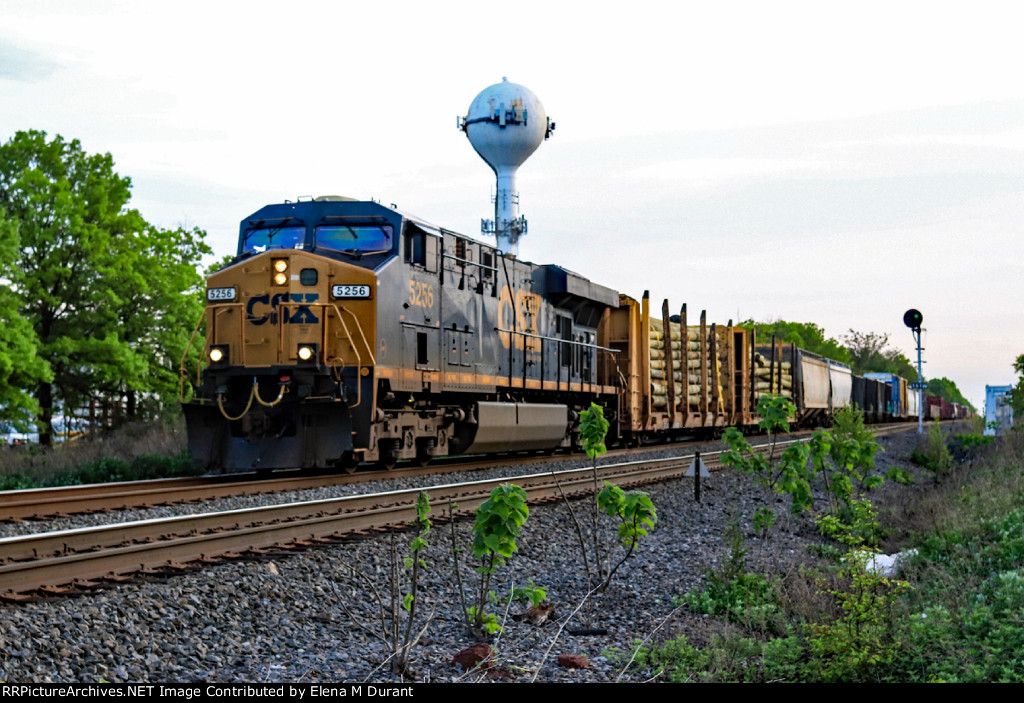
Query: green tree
(805,335)
(99,286)
(788,473)
(866,350)
(869,352)
(159,303)
(944,388)
(20,366)
(499,521)
(897,363)
(1017,393)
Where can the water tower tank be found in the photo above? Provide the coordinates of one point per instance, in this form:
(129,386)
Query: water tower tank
(506,123)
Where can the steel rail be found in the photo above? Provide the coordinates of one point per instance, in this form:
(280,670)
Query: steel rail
(39,503)
(36,503)
(136,494)
(69,556)
(39,495)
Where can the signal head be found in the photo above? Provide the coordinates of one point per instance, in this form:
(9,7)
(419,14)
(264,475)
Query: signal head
(913,319)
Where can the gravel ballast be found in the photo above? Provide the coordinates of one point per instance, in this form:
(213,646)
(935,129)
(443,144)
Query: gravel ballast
(281,617)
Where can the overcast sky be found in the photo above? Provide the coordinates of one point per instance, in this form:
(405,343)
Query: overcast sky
(825,162)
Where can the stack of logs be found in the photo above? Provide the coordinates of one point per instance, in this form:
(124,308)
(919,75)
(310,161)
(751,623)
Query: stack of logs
(765,382)
(692,356)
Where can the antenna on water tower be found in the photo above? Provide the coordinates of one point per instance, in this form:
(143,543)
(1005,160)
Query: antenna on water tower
(506,123)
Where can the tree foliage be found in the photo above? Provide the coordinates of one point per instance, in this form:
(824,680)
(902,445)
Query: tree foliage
(945,388)
(788,473)
(869,351)
(21,370)
(106,295)
(805,335)
(1017,393)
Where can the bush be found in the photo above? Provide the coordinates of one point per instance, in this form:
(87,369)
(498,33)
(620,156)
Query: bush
(743,598)
(934,453)
(727,659)
(134,451)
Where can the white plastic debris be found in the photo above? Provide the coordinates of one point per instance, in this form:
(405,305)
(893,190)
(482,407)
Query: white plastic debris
(888,564)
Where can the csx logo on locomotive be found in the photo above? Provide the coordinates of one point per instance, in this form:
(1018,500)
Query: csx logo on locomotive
(301,315)
(521,314)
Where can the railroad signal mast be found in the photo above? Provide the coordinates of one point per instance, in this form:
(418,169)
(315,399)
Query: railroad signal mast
(913,319)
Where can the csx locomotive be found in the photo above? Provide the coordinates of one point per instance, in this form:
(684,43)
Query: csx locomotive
(347,332)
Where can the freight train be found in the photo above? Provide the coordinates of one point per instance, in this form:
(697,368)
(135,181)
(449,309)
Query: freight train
(346,332)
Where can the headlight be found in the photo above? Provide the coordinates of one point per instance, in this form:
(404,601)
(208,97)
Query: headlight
(219,355)
(307,353)
(280,265)
(280,279)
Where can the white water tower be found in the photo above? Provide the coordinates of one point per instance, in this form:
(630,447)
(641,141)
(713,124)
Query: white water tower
(506,123)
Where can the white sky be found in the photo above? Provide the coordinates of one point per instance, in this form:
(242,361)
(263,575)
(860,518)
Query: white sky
(827,162)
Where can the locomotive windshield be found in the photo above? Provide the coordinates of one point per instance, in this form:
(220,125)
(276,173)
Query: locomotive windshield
(354,238)
(258,240)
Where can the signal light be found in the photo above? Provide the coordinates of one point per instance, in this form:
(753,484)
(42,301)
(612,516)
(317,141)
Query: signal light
(913,318)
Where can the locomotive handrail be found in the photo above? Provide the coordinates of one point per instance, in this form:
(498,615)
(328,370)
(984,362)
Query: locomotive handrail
(556,340)
(362,335)
(592,345)
(468,262)
(220,308)
(359,364)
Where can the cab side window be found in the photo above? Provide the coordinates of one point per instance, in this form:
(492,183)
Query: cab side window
(415,246)
(420,248)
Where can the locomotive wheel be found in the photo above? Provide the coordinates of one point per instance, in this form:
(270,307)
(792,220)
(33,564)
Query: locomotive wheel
(423,448)
(349,463)
(389,449)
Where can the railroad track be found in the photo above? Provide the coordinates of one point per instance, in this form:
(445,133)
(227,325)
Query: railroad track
(56,562)
(48,503)
(68,560)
